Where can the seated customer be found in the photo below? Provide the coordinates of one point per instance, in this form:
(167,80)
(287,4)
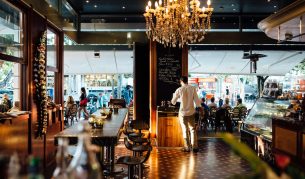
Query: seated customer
(203,104)
(240,103)
(6,101)
(226,105)
(212,104)
(50,103)
(70,102)
(16,107)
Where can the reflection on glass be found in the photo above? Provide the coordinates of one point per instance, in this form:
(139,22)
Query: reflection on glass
(50,84)
(11,37)
(9,80)
(53,4)
(51,48)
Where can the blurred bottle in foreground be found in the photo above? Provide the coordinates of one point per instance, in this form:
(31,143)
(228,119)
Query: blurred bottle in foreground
(84,164)
(60,171)
(34,168)
(14,167)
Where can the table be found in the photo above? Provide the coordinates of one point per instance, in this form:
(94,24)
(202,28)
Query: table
(107,137)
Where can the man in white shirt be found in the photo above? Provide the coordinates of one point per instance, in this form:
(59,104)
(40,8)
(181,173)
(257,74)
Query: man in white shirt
(188,96)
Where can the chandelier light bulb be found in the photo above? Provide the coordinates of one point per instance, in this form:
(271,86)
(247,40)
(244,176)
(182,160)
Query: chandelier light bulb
(203,9)
(198,3)
(209,2)
(160,2)
(147,8)
(156,4)
(149,3)
(170,1)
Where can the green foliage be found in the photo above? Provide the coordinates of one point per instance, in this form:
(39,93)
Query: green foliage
(5,69)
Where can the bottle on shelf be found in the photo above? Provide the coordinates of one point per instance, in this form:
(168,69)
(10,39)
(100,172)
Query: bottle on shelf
(14,167)
(34,168)
(60,171)
(84,164)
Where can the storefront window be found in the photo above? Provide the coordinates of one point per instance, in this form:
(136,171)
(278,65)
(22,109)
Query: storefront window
(9,80)
(52,48)
(11,37)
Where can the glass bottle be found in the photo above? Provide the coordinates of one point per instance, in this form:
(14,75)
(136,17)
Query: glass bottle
(34,169)
(60,171)
(84,164)
(14,167)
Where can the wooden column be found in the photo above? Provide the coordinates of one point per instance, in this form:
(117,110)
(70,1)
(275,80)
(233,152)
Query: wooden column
(141,82)
(153,88)
(185,69)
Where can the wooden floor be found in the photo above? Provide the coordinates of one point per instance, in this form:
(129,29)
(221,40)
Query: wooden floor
(215,160)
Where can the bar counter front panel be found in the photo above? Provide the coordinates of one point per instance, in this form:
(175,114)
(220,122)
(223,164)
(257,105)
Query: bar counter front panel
(169,132)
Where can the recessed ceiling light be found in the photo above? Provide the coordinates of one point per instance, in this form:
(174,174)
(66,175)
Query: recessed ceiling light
(95,6)
(232,4)
(87,1)
(123,7)
(274,6)
(50,5)
(234,9)
(125,19)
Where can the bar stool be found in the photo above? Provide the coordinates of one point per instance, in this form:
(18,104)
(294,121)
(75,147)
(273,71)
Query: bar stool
(132,161)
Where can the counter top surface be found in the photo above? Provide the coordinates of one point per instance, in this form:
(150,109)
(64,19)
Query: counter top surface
(108,135)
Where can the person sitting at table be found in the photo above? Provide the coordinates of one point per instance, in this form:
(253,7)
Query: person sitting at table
(240,103)
(70,102)
(212,104)
(50,103)
(227,104)
(203,104)
(16,107)
(6,102)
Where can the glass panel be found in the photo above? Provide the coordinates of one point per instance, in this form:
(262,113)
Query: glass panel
(69,14)
(11,37)
(51,48)
(10,82)
(50,84)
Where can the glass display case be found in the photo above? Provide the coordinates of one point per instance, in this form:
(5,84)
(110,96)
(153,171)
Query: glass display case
(259,119)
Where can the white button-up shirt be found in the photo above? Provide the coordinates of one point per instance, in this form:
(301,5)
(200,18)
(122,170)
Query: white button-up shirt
(188,97)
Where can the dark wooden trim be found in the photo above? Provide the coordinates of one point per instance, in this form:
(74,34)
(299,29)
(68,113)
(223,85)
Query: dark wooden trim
(184,61)
(11,58)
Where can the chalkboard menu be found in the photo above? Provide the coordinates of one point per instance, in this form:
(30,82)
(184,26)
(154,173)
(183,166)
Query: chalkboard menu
(169,70)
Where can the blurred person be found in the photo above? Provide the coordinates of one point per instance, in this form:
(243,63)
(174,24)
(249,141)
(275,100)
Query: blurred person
(50,103)
(188,97)
(203,104)
(70,102)
(83,103)
(240,103)
(220,102)
(16,107)
(227,104)
(100,100)
(6,101)
(212,104)
(127,95)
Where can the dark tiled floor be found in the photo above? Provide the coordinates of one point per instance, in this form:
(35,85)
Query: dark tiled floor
(215,160)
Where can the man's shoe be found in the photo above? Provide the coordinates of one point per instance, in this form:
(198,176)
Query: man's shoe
(185,149)
(195,150)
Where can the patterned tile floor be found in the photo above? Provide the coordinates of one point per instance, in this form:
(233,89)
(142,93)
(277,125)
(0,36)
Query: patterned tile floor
(215,160)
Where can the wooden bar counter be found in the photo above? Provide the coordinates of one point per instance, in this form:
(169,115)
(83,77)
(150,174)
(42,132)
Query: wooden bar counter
(169,132)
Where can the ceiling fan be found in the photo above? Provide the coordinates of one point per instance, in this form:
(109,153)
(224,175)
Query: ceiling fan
(253,59)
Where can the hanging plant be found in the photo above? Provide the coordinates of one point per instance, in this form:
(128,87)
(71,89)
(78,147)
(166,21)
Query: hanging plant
(40,90)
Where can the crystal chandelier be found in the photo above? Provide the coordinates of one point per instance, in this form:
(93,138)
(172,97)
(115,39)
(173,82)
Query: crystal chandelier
(177,22)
